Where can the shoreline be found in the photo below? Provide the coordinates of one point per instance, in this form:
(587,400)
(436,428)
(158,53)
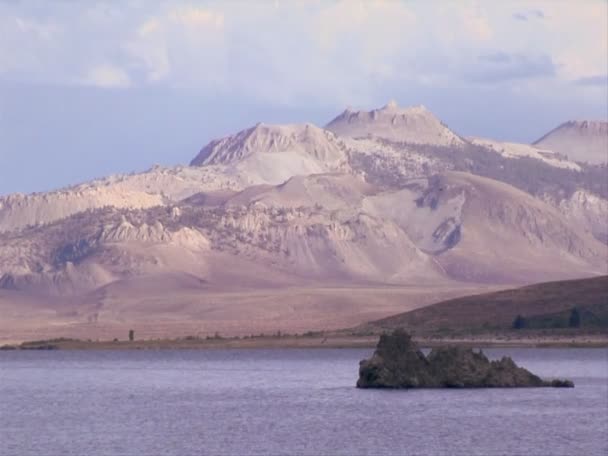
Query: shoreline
(309,342)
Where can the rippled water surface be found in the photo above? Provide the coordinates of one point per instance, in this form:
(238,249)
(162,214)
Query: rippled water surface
(299,402)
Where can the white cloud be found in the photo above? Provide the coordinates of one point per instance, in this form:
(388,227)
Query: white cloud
(476,24)
(25,44)
(345,50)
(148,49)
(106,76)
(580,37)
(376,25)
(183,46)
(191,16)
(39,30)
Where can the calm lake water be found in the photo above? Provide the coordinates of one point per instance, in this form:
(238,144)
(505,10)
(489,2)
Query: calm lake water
(294,402)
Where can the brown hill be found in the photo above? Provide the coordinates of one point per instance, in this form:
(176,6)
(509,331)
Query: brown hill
(544,305)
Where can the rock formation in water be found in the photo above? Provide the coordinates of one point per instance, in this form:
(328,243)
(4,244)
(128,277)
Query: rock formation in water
(399,363)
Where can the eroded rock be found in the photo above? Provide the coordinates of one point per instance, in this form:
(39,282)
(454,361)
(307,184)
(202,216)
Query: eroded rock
(399,363)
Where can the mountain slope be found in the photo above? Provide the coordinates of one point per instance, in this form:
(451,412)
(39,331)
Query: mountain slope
(582,141)
(155,187)
(322,227)
(532,241)
(274,153)
(516,150)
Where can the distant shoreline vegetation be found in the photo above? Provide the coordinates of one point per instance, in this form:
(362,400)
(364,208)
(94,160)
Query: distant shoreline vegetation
(573,319)
(574,337)
(552,308)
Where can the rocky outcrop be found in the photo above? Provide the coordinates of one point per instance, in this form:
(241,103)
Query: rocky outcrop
(399,363)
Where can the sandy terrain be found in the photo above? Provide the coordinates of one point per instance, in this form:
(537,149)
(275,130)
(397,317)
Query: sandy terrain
(178,313)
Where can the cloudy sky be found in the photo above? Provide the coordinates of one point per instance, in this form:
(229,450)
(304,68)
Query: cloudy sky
(96,87)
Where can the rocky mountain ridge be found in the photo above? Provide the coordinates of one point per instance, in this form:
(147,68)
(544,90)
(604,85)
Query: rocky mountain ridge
(272,154)
(415,125)
(389,198)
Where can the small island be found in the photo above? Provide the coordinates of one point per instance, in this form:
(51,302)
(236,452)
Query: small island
(399,363)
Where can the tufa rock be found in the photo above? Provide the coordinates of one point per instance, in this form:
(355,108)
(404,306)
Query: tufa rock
(399,363)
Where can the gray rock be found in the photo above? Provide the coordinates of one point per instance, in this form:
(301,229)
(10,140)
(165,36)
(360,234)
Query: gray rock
(399,363)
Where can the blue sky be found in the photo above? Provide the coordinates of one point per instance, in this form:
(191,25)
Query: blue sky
(98,87)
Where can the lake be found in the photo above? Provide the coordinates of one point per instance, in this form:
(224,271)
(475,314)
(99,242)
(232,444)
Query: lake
(287,402)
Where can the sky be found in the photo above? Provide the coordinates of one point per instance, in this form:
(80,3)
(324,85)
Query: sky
(99,87)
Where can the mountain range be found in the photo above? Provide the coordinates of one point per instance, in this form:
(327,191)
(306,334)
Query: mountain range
(297,227)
